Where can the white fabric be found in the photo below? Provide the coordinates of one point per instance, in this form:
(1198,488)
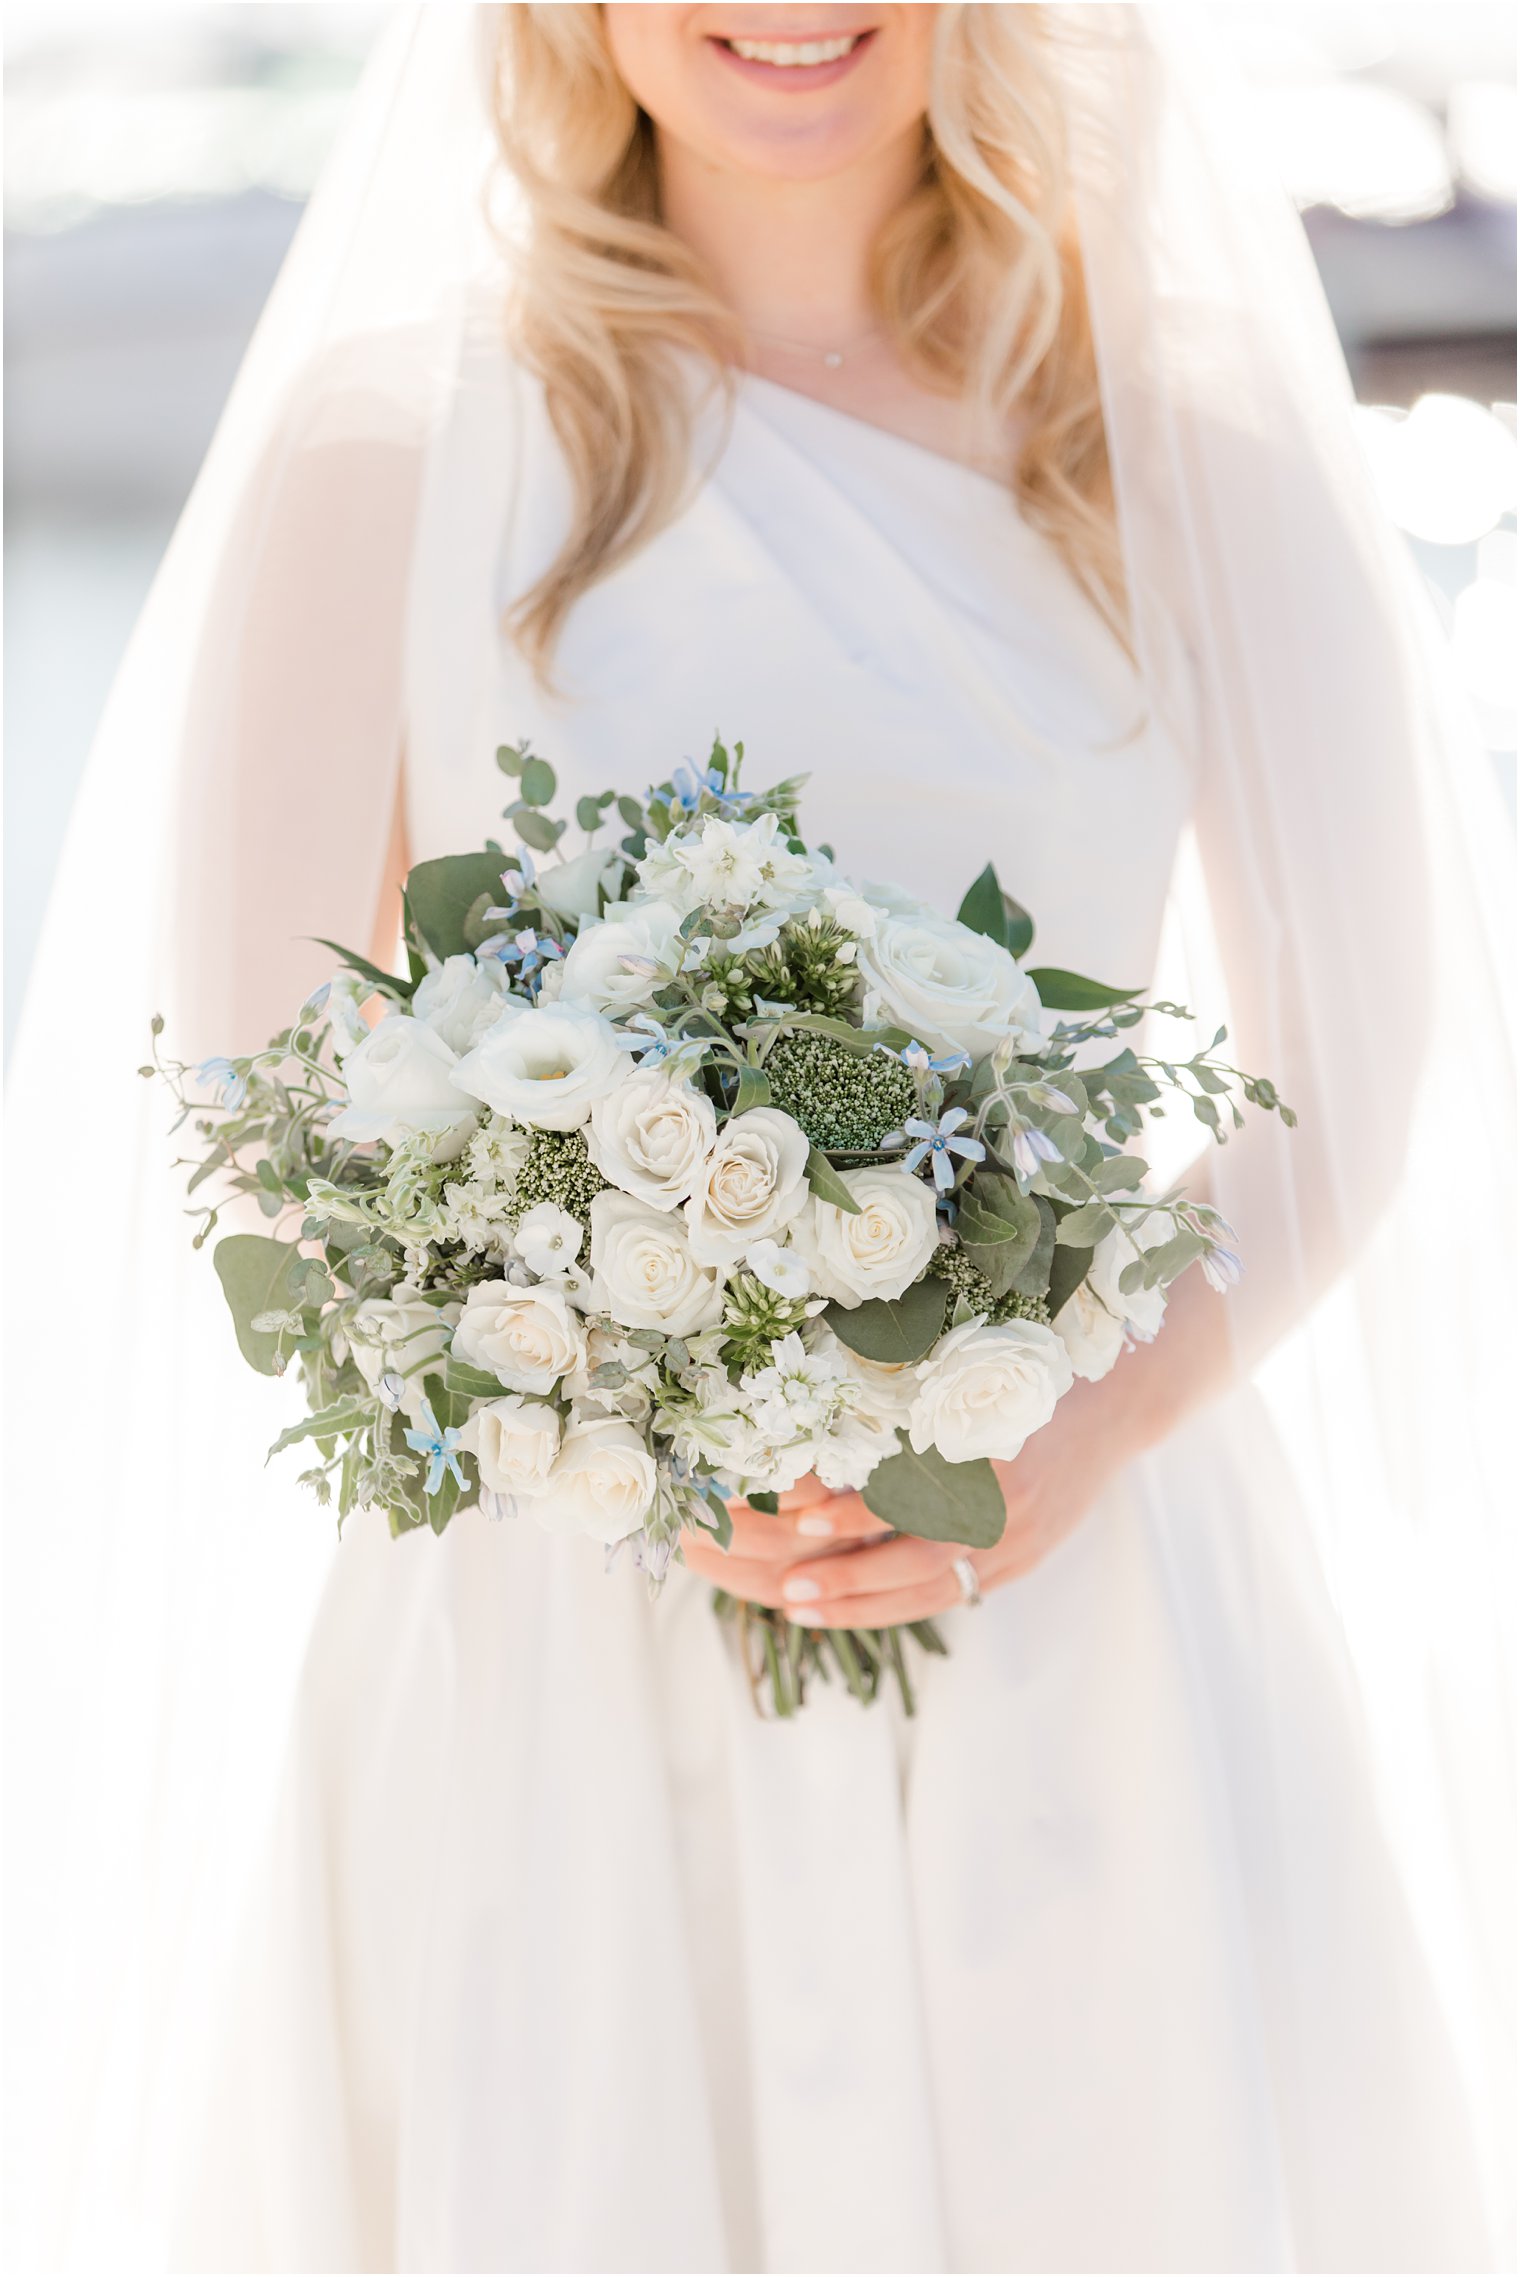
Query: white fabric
(1296,1669)
(581,1965)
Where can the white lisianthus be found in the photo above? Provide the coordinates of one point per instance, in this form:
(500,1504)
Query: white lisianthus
(983,1390)
(527,1337)
(400,1083)
(643,1271)
(603,1482)
(545,1065)
(752,1184)
(1099,1318)
(881,1249)
(783,1270)
(548,1239)
(652,1136)
(400,1335)
(514,1441)
(574,888)
(594,974)
(952,989)
(460,999)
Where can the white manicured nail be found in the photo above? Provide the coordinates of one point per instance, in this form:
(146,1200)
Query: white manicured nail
(815,1523)
(801,1591)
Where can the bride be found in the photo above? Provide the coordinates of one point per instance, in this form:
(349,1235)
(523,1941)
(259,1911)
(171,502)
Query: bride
(935,399)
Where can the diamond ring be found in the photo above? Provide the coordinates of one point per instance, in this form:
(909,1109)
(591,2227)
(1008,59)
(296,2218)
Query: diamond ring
(965,1574)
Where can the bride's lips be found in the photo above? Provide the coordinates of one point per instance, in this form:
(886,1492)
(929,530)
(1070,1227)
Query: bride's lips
(793,78)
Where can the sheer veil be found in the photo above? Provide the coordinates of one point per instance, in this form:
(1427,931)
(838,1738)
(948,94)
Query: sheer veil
(1343,894)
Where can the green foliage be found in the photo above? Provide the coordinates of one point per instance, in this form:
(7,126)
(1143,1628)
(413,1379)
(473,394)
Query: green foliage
(1000,1228)
(254,1273)
(440,895)
(893,1330)
(989,910)
(824,1181)
(754,1317)
(937,1501)
(970,1287)
(847,1101)
(1072,992)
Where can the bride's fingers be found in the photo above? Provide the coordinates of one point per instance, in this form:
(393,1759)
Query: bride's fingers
(805,1493)
(792,1534)
(871,1571)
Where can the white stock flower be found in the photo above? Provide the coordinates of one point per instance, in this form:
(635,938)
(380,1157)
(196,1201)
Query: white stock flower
(952,989)
(460,1000)
(714,864)
(573,888)
(496,1153)
(479,1217)
(752,1184)
(527,1337)
(879,1250)
(847,1455)
(548,1239)
(603,1482)
(546,1066)
(883,1390)
(400,1083)
(652,1135)
(402,1335)
(643,1271)
(594,975)
(514,1441)
(983,1390)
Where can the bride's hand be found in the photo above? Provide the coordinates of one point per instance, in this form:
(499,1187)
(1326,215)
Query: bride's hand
(765,1549)
(877,1584)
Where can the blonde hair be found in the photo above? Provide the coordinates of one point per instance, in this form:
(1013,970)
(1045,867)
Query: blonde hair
(977,279)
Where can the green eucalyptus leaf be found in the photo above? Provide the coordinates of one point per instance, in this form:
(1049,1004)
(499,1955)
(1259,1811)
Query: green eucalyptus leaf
(538,782)
(754,1091)
(1085,1226)
(509,759)
(632,812)
(588,814)
(894,1330)
(1033,1277)
(471,1383)
(253,1271)
(825,1181)
(441,894)
(937,1501)
(1073,992)
(327,1423)
(1068,1270)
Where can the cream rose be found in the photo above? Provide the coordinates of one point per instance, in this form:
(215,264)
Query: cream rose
(952,989)
(594,974)
(983,1390)
(400,1083)
(881,1249)
(651,1137)
(400,1335)
(602,1484)
(753,1183)
(546,1065)
(529,1337)
(461,999)
(514,1441)
(643,1272)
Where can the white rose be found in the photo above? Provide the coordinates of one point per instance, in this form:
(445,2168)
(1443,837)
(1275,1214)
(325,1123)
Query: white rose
(400,1335)
(643,1272)
(594,975)
(1141,1310)
(952,989)
(603,1482)
(1099,1318)
(574,888)
(460,1000)
(548,1239)
(753,1183)
(528,1337)
(652,1136)
(1093,1336)
(881,1249)
(545,1065)
(515,1441)
(983,1390)
(400,1082)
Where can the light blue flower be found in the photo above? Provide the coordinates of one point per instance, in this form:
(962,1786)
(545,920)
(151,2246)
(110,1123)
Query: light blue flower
(233,1086)
(916,1059)
(1222,1268)
(936,1143)
(392,1389)
(1031,1148)
(440,1448)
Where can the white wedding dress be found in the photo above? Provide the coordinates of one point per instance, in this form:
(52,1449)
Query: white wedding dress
(566,1959)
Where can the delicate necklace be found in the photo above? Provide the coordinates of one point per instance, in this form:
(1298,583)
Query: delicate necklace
(830,358)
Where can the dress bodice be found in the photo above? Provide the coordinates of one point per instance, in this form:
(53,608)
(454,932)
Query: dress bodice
(851,605)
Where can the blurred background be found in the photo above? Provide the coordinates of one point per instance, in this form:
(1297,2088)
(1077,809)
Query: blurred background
(157,157)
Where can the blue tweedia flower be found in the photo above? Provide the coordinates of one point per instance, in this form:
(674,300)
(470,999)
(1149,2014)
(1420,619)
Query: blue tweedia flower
(936,1143)
(916,1059)
(440,1448)
(646,1039)
(234,1087)
(1031,1148)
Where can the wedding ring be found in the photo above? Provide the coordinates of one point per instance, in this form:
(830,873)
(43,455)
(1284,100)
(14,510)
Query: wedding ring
(965,1574)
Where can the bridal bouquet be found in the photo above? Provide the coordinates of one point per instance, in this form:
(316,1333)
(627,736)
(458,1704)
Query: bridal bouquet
(682,1167)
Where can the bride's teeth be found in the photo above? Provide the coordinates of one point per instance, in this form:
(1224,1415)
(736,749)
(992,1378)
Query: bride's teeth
(792,53)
